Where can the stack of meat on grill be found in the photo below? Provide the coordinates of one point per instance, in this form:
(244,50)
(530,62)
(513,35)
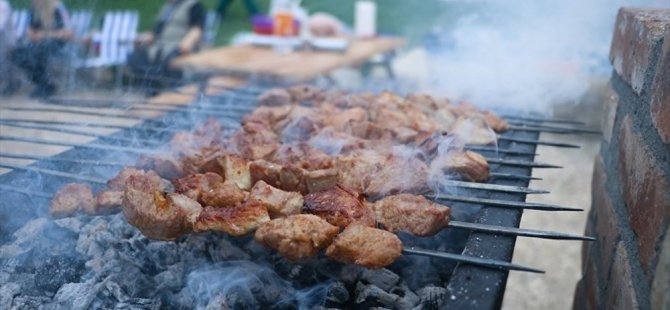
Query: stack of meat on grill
(308,170)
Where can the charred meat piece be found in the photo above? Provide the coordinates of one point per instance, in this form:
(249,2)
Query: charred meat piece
(156,214)
(166,166)
(398,174)
(107,202)
(275,97)
(356,169)
(470,166)
(473,131)
(365,246)
(255,141)
(237,221)
(340,206)
(411,213)
(279,203)
(263,170)
(297,236)
(118,183)
(304,92)
(302,155)
(222,195)
(70,199)
(195,184)
(291,177)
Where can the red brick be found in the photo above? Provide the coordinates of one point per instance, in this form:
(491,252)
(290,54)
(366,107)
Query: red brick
(620,293)
(610,106)
(660,94)
(645,190)
(660,296)
(607,229)
(636,33)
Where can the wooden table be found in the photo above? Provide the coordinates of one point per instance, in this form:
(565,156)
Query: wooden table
(297,66)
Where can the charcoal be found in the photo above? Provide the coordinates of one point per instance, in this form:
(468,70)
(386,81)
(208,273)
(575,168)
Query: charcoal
(350,274)
(24,302)
(4,277)
(337,293)
(408,298)
(75,296)
(382,278)
(72,224)
(223,250)
(171,279)
(368,296)
(432,297)
(56,271)
(139,304)
(7,293)
(162,253)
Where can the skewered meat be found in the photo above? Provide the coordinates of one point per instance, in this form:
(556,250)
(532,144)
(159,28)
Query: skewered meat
(302,155)
(470,166)
(297,236)
(118,183)
(365,246)
(236,221)
(340,207)
(70,199)
(398,174)
(222,195)
(165,166)
(156,214)
(279,203)
(107,202)
(291,177)
(473,131)
(254,141)
(411,213)
(194,185)
(304,92)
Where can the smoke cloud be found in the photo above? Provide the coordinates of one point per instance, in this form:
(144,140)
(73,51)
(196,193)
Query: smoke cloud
(524,54)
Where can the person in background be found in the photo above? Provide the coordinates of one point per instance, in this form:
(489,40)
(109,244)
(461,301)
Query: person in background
(47,34)
(222,8)
(8,82)
(178,31)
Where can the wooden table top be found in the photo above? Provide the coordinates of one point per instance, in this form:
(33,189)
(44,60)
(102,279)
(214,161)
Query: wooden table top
(296,66)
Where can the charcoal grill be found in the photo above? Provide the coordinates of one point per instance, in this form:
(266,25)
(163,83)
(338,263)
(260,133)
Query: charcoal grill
(26,192)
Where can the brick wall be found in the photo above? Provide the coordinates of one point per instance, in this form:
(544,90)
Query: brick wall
(629,266)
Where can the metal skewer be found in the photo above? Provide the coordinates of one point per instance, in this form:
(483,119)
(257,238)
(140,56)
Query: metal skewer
(503,203)
(553,129)
(483,262)
(538,119)
(518,231)
(498,175)
(79,132)
(84,145)
(519,163)
(24,191)
(479,148)
(68,160)
(144,127)
(55,173)
(537,142)
(493,187)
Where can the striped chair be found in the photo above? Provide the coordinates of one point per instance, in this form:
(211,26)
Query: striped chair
(20,22)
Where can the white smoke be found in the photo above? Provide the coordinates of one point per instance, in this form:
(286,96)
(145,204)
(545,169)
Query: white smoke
(525,54)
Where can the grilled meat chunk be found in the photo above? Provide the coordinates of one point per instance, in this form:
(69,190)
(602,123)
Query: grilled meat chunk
(236,221)
(279,203)
(473,131)
(195,184)
(255,141)
(292,177)
(398,174)
(297,236)
(235,169)
(107,202)
(365,246)
(275,97)
(166,166)
(470,166)
(156,214)
(304,92)
(118,183)
(222,195)
(340,206)
(411,213)
(70,199)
